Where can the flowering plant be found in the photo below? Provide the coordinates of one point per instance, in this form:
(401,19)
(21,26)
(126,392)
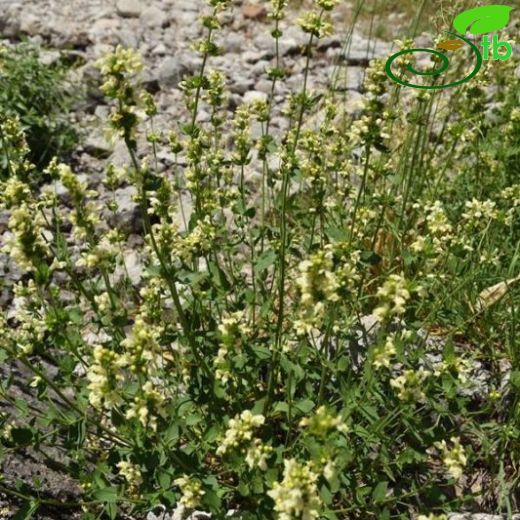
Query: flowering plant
(278,356)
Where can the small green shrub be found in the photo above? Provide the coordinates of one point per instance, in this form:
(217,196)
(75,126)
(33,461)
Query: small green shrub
(36,93)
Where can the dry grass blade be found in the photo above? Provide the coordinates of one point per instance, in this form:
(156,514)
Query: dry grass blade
(493,294)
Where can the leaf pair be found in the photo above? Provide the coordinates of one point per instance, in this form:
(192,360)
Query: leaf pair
(485,19)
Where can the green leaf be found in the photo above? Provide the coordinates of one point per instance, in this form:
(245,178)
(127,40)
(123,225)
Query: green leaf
(379,493)
(111,509)
(169,498)
(258,485)
(27,510)
(409,456)
(258,406)
(334,484)
(212,500)
(212,434)
(281,406)
(165,481)
(265,260)
(171,435)
(250,296)
(108,494)
(22,436)
(22,406)
(485,19)
(292,368)
(515,379)
(99,479)
(305,405)
(211,481)
(243,489)
(262,352)
(384,515)
(3,355)
(219,276)
(326,495)
(337,233)
(219,390)
(362,492)
(76,316)
(193,419)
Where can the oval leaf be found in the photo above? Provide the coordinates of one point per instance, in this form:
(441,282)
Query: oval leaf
(450,45)
(485,19)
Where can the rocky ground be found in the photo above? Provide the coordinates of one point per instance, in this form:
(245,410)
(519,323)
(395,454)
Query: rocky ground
(162,31)
(82,31)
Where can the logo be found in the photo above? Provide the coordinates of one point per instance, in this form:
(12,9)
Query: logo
(486,19)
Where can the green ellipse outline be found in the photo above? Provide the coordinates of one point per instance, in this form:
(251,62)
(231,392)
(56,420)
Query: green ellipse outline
(471,75)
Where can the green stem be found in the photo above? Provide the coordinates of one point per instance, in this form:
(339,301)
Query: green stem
(63,397)
(169,275)
(360,194)
(273,374)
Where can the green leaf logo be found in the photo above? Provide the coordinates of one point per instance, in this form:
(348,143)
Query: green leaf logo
(485,19)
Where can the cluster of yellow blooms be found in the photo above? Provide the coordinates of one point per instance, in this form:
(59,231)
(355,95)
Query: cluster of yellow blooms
(98,255)
(31,327)
(86,213)
(120,62)
(232,328)
(439,227)
(461,366)
(196,242)
(393,296)
(12,132)
(26,244)
(409,385)
(118,69)
(132,474)
(317,280)
(257,454)
(191,490)
(320,282)
(318,285)
(479,213)
(141,346)
(240,430)
(322,422)
(278,9)
(239,436)
(454,458)
(316,23)
(296,496)
(15,192)
(511,195)
(373,123)
(147,406)
(383,354)
(104,374)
